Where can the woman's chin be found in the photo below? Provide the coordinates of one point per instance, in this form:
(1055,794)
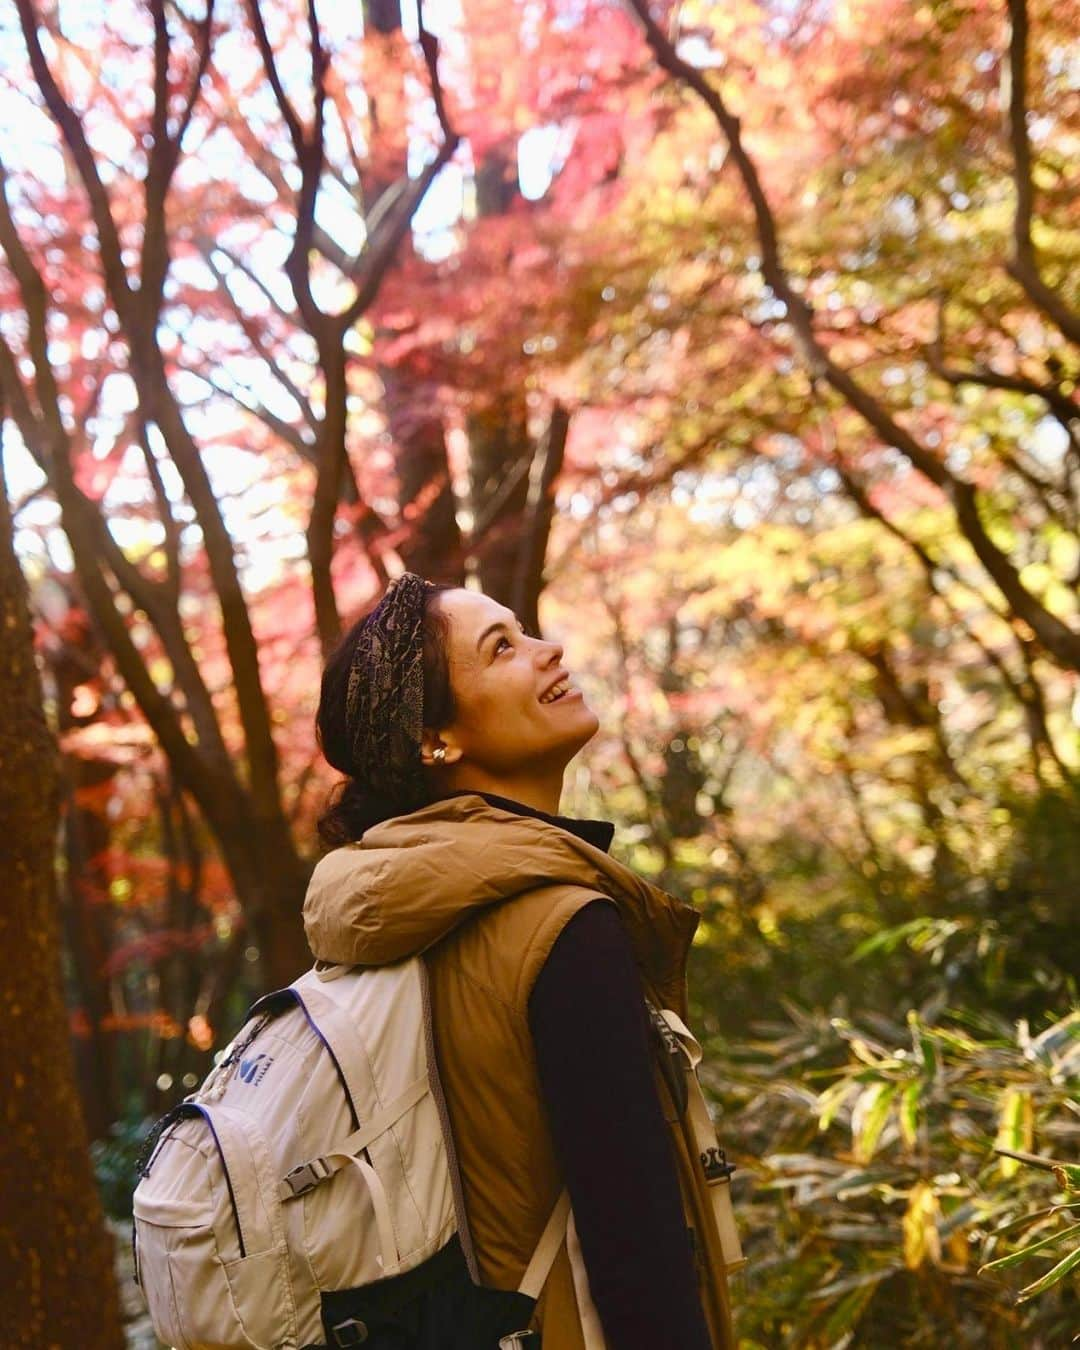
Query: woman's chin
(587,724)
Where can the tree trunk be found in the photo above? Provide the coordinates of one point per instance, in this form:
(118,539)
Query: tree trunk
(511,479)
(431,544)
(432,547)
(58,1288)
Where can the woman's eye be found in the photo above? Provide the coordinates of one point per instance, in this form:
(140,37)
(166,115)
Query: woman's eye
(524,631)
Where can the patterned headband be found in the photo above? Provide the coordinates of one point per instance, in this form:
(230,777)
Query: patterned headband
(384,698)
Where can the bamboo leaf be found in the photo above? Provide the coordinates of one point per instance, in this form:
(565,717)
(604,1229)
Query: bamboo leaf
(909,1113)
(849,1282)
(1063,1267)
(921,1238)
(1016,1129)
(1014,1258)
(845,1317)
(868,1118)
(830,1102)
(890,938)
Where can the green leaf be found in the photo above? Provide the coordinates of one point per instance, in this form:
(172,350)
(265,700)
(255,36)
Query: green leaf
(860,1281)
(890,938)
(955,1041)
(923,1045)
(1015,1129)
(909,1113)
(830,1102)
(1014,1258)
(1051,1277)
(868,1118)
(847,1314)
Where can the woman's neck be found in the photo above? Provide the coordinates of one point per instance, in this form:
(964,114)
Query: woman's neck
(539,793)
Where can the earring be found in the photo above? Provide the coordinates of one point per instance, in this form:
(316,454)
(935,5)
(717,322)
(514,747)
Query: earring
(439,754)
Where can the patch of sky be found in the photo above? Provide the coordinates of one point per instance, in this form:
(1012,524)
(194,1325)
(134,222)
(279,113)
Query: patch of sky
(570,15)
(698,52)
(1049,442)
(443,204)
(337,214)
(542,152)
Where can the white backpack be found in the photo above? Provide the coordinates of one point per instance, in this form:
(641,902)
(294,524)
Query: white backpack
(312,1159)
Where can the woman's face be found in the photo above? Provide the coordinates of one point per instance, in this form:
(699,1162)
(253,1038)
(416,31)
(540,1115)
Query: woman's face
(499,675)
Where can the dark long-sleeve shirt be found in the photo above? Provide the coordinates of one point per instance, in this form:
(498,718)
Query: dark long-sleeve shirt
(592,1040)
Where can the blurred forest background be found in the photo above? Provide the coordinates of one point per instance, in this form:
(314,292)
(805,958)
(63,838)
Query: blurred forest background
(734,344)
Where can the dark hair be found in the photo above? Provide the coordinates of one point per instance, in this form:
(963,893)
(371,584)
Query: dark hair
(354,806)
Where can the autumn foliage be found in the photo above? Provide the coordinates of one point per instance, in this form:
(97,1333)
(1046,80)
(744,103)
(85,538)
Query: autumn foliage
(737,344)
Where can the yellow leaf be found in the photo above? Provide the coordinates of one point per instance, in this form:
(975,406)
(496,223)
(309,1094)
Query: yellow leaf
(957,1248)
(868,1118)
(921,1239)
(1016,1128)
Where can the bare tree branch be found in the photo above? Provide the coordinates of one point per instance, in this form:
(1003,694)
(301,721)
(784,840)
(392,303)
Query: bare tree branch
(329,330)
(75,138)
(1024,265)
(1027,692)
(164,154)
(1063,406)
(34,297)
(252,331)
(1061,641)
(165,514)
(288,112)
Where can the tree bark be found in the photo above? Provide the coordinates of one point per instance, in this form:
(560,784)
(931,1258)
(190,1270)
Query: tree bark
(58,1288)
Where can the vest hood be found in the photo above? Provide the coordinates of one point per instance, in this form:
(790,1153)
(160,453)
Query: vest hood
(412,879)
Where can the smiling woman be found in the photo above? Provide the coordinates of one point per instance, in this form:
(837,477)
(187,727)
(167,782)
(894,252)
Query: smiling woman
(573,1125)
(504,738)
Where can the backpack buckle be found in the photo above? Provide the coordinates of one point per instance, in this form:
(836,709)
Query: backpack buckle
(307,1176)
(715,1165)
(350,1332)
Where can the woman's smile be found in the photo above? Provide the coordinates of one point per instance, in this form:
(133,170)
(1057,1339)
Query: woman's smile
(571,692)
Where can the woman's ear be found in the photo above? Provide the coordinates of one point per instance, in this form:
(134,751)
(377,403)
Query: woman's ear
(432,741)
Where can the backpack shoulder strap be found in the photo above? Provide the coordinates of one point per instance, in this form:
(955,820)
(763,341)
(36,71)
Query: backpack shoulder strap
(543,1258)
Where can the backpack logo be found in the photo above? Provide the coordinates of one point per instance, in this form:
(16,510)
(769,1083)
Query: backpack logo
(253,1071)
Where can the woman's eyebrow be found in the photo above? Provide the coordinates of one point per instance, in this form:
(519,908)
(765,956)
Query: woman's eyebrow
(494,628)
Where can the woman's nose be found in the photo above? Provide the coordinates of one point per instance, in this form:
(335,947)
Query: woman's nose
(555,650)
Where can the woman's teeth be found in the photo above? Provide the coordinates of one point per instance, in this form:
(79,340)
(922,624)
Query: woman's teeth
(557,692)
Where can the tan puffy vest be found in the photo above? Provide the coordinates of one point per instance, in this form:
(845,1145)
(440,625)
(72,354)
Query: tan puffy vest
(486,893)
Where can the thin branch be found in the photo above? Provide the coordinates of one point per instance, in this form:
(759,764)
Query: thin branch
(1028,693)
(285,431)
(165,514)
(251,329)
(71,129)
(31,427)
(288,112)
(165,151)
(429,45)
(1061,641)
(379,253)
(1065,409)
(1024,265)
(34,297)
(203,42)
(207,247)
